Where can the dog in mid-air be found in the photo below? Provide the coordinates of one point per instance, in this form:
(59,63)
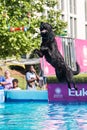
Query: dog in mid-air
(49,49)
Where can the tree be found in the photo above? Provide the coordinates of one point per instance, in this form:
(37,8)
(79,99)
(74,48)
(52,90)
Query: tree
(20,21)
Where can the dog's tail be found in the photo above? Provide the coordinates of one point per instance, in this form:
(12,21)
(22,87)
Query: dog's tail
(78,69)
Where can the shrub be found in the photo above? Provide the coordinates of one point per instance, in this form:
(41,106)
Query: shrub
(81,78)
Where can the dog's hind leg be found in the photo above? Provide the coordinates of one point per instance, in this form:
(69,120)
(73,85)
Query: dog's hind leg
(75,86)
(69,86)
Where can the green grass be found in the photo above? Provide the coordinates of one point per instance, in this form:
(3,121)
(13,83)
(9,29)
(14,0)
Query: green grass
(81,78)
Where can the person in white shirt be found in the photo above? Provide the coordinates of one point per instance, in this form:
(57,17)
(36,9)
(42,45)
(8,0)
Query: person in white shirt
(31,78)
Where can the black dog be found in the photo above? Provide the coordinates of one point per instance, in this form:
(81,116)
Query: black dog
(50,50)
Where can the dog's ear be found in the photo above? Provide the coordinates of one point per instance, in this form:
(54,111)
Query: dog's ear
(51,26)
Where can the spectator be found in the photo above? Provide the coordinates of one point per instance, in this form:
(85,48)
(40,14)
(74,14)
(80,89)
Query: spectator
(2,80)
(31,78)
(8,83)
(15,84)
(43,80)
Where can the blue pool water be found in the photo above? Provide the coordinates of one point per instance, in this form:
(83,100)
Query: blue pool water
(43,116)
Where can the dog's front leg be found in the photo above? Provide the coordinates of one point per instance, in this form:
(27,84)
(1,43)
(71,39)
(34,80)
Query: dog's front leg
(44,49)
(38,52)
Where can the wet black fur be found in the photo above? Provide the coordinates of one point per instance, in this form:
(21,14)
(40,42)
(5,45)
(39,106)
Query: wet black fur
(49,49)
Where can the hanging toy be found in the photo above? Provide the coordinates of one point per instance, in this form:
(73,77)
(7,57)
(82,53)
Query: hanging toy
(13,29)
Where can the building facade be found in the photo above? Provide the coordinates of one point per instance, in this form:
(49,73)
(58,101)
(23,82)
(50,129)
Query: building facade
(74,12)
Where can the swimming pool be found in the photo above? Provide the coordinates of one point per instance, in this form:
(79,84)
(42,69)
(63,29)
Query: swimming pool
(43,116)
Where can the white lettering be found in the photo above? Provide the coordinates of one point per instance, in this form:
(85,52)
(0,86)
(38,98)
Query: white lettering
(78,93)
(84,92)
(58,96)
(73,92)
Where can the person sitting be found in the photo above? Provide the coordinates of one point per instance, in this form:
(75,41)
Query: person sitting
(15,84)
(2,80)
(31,78)
(8,80)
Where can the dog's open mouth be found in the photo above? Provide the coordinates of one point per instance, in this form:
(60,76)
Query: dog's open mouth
(43,31)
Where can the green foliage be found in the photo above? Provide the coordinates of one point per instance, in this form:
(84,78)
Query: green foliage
(25,13)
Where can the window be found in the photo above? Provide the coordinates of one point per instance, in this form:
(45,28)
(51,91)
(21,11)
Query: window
(86,31)
(62,5)
(71,26)
(62,17)
(85,10)
(74,6)
(75,27)
(70,4)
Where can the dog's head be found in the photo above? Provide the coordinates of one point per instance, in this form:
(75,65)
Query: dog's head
(45,29)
